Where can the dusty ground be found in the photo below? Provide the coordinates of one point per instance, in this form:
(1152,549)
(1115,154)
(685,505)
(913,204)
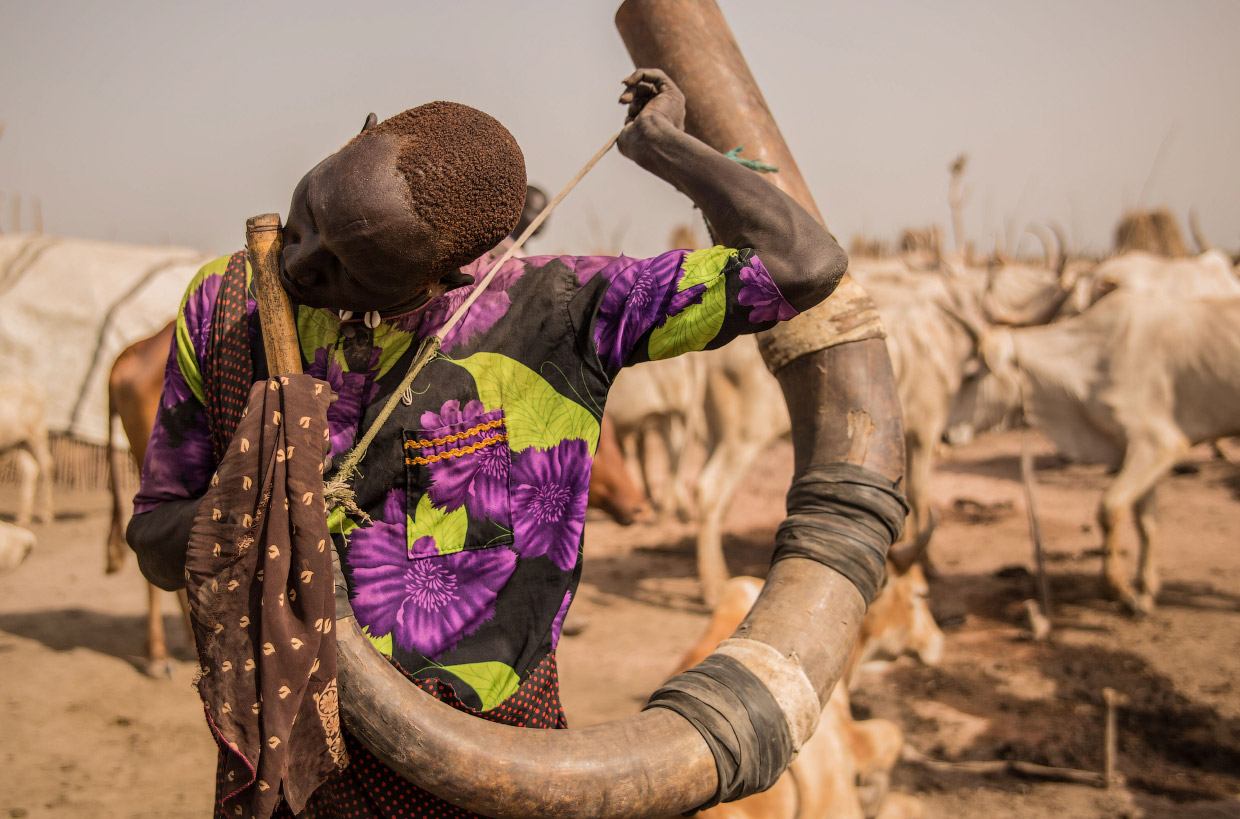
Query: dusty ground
(88,735)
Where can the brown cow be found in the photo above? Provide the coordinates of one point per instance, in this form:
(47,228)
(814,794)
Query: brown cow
(134,387)
(843,770)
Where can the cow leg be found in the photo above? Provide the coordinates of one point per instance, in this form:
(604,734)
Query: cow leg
(629,442)
(677,437)
(1146,512)
(28,478)
(919,460)
(183,600)
(716,485)
(1146,461)
(42,452)
(156,646)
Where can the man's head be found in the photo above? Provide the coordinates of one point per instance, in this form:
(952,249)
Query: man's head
(379,223)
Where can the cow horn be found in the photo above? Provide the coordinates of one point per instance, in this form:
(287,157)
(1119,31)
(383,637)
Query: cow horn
(970,325)
(1044,238)
(648,765)
(1194,227)
(904,557)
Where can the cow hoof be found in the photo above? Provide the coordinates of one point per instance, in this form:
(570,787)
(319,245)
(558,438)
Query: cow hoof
(1138,605)
(159,669)
(1114,589)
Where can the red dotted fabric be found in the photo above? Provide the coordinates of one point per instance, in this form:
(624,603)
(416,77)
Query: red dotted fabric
(229,374)
(366,789)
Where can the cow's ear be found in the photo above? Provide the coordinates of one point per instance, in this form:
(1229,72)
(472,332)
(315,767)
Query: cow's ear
(371,121)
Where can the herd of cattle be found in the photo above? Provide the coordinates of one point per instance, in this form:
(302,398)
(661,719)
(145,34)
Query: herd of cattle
(1127,362)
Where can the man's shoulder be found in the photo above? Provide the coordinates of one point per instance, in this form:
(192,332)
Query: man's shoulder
(205,286)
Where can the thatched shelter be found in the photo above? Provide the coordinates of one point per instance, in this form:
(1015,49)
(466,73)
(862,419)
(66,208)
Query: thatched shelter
(67,308)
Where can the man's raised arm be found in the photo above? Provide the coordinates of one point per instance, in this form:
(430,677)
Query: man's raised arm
(743,209)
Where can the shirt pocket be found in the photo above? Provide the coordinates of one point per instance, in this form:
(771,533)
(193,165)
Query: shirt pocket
(458,486)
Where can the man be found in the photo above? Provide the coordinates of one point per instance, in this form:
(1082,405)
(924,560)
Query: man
(476,487)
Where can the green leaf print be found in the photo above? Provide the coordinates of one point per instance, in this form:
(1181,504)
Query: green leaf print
(383,644)
(338,523)
(694,327)
(704,266)
(494,682)
(536,414)
(187,358)
(447,528)
(320,329)
(317,328)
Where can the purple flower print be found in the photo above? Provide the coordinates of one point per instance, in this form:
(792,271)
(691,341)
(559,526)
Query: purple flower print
(478,479)
(354,390)
(641,295)
(427,604)
(451,413)
(549,490)
(179,460)
(558,623)
(760,293)
(199,308)
(490,307)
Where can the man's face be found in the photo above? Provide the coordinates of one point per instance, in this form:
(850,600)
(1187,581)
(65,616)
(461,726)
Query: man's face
(353,242)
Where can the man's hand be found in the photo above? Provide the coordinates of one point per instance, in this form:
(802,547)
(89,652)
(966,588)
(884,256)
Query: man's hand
(656,106)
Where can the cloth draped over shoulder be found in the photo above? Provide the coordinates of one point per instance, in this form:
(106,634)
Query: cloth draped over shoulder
(259,578)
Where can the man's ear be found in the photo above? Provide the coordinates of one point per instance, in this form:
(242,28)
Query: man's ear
(456,279)
(371,121)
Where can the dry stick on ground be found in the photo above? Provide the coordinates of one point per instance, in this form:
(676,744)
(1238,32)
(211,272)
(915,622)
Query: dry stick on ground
(1112,698)
(1035,533)
(1012,767)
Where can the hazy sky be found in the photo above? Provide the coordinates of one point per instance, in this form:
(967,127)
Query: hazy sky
(172,122)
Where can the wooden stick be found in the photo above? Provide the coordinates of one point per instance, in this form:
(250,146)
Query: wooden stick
(1112,698)
(1011,767)
(264,239)
(1031,503)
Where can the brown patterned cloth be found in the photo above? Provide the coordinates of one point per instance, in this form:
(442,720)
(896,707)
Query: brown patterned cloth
(229,374)
(259,577)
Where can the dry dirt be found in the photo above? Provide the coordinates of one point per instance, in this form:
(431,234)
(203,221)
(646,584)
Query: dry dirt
(88,735)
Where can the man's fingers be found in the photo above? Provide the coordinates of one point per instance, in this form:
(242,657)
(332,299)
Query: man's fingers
(653,76)
(638,93)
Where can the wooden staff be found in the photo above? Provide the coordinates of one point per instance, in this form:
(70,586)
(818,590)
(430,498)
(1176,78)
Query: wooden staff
(264,240)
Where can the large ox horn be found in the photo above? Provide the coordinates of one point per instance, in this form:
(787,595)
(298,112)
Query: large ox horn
(796,639)
(651,764)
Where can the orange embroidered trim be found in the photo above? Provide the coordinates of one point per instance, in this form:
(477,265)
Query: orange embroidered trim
(456,436)
(456,453)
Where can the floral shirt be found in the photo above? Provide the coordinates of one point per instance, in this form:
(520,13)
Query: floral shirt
(477,488)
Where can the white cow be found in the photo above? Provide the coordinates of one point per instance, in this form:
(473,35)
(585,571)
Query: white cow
(1132,383)
(23,430)
(727,400)
(656,409)
(1206,276)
